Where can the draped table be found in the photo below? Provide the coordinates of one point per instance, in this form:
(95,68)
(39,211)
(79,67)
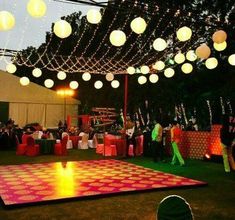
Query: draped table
(46,145)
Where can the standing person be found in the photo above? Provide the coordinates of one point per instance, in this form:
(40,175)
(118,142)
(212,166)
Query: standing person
(227,137)
(157,142)
(176,136)
(130,138)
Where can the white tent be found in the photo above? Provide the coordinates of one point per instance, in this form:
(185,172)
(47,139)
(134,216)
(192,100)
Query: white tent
(34,103)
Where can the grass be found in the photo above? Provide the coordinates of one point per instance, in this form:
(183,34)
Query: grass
(215,201)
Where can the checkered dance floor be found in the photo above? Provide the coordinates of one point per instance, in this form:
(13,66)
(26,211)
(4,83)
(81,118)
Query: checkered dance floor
(32,183)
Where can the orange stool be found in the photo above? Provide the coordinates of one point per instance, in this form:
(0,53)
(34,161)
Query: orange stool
(113,150)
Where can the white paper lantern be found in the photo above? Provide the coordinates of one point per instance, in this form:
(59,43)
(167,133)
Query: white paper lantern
(61,75)
(144,69)
(73,84)
(131,70)
(211,63)
(115,84)
(191,56)
(109,76)
(117,38)
(36,8)
(98,84)
(153,78)
(93,16)
(24,81)
(160,65)
(86,76)
(142,80)
(220,47)
(187,68)
(37,72)
(179,58)
(159,44)
(7,21)
(11,68)
(49,83)
(184,34)
(231,59)
(62,29)
(138,25)
(169,72)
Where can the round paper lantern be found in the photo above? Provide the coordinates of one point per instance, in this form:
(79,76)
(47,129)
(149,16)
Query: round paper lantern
(219,37)
(61,75)
(7,21)
(138,25)
(159,44)
(115,84)
(211,63)
(131,70)
(98,84)
(73,84)
(36,8)
(169,72)
(109,76)
(93,16)
(220,47)
(179,58)
(11,68)
(37,72)
(231,59)
(144,69)
(153,78)
(203,51)
(86,76)
(62,29)
(184,34)
(117,38)
(49,83)
(187,68)
(160,65)
(191,56)
(24,81)
(142,80)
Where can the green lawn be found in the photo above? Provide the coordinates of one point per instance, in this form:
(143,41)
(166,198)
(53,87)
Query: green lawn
(215,201)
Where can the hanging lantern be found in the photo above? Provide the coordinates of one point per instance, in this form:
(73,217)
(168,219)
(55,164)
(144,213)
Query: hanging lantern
(179,58)
(231,59)
(144,69)
(73,84)
(93,16)
(11,68)
(49,83)
(37,72)
(184,34)
(191,56)
(153,78)
(117,38)
(131,70)
(61,75)
(211,63)
(62,29)
(142,80)
(86,76)
(138,25)
(203,51)
(36,8)
(169,72)
(187,68)
(159,44)
(98,84)
(109,76)
(7,21)
(115,84)
(160,65)
(24,81)
(220,47)
(219,37)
